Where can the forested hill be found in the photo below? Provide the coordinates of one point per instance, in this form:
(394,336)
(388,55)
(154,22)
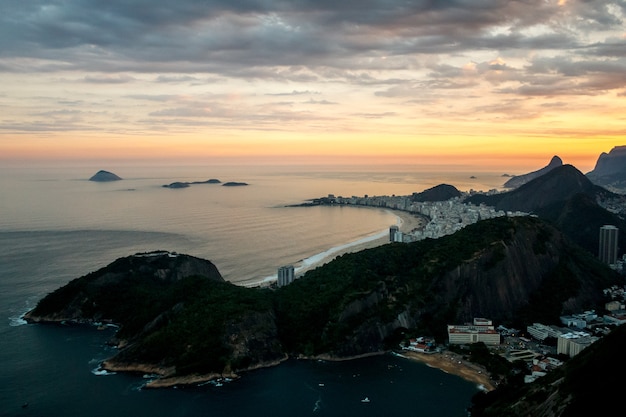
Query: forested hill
(512,270)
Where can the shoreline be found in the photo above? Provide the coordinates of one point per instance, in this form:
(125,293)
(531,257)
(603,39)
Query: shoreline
(405,221)
(454,364)
(448,362)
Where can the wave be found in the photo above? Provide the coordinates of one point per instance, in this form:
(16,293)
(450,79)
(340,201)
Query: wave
(100,372)
(17,321)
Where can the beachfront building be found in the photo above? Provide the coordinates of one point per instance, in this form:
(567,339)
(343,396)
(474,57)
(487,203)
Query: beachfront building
(481,330)
(573,343)
(393,232)
(285,275)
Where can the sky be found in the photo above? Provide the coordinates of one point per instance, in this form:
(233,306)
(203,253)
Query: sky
(468,82)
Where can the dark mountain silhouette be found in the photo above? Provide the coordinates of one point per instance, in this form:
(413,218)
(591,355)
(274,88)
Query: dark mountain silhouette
(610,169)
(519,180)
(565,197)
(441,192)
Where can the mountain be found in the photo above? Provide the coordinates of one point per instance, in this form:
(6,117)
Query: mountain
(179,319)
(565,197)
(441,192)
(519,180)
(104,176)
(610,169)
(581,387)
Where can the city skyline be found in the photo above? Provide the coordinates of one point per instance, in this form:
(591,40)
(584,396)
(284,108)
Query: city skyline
(490,84)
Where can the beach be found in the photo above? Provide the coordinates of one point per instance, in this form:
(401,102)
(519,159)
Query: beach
(406,222)
(454,364)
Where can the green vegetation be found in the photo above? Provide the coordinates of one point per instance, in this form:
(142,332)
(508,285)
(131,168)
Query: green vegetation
(359,303)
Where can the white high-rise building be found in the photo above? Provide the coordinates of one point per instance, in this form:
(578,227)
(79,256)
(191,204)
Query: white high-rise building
(607,251)
(285,275)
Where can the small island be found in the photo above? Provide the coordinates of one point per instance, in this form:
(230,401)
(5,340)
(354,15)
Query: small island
(104,176)
(234,184)
(179,184)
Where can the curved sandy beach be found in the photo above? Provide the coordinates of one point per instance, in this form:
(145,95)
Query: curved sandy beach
(454,364)
(406,222)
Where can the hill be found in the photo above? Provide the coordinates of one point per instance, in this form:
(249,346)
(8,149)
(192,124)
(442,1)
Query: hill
(178,317)
(441,192)
(520,180)
(565,197)
(610,169)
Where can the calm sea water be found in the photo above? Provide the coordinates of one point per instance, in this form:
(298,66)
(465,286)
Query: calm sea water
(55,226)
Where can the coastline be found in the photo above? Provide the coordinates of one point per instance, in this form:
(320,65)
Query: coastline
(405,221)
(453,363)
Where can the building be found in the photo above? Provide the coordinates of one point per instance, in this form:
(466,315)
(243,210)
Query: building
(573,343)
(285,275)
(393,230)
(607,251)
(482,330)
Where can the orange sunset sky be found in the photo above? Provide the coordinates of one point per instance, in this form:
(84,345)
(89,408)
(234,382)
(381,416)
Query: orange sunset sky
(485,83)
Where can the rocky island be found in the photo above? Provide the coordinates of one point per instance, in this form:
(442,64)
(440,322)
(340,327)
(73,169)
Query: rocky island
(179,184)
(104,176)
(234,184)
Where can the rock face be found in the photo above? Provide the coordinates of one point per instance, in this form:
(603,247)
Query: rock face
(610,169)
(104,176)
(518,180)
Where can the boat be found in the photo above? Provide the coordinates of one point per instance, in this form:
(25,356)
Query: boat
(365,400)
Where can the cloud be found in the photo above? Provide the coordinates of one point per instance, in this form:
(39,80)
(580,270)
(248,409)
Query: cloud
(108,78)
(217,62)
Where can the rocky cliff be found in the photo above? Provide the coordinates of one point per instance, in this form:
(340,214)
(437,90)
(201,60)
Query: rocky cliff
(610,169)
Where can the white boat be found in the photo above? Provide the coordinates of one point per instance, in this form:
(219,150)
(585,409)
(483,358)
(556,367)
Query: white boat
(365,400)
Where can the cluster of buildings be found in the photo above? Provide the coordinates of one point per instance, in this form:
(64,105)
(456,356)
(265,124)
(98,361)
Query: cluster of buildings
(450,216)
(444,217)
(575,333)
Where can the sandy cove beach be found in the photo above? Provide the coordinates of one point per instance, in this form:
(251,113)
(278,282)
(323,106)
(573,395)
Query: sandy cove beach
(454,364)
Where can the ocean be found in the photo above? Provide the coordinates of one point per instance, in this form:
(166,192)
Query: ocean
(55,225)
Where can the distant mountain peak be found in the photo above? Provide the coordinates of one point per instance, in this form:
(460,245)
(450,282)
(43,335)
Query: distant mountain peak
(610,169)
(519,180)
